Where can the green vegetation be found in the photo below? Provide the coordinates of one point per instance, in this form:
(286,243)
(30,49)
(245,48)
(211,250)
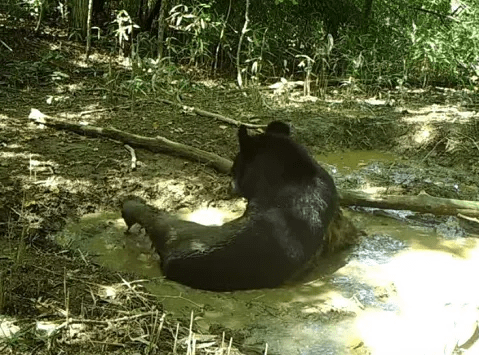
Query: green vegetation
(364,44)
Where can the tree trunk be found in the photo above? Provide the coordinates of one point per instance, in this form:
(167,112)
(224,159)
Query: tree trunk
(162,27)
(153,13)
(240,42)
(88,29)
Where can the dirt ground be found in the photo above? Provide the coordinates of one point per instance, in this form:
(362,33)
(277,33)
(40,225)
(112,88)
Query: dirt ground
(50,176)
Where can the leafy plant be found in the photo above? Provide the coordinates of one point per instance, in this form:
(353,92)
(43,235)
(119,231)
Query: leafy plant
(124,30)
(197,29)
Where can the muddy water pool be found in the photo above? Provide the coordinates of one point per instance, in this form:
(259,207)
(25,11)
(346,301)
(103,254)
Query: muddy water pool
(407,288)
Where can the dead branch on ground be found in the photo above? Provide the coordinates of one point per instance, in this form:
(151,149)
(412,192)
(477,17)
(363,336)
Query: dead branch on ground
(157,144)
(216,116)
(422,203)
(133,156)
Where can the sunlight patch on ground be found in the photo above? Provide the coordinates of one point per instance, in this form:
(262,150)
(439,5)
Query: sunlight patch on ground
(206,216)
(7,328)
(423,135)
(210,83)
(376,102)
(438,299)
(49,328)
(14,155)
(438,113)
(72,185)
(42,172)
(210,216)
(107,292)
(373,189)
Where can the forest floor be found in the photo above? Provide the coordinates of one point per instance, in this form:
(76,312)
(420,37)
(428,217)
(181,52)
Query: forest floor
(49,177)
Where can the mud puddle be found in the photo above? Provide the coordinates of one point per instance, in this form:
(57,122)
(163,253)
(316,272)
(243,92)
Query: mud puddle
(354,159)
(407,288)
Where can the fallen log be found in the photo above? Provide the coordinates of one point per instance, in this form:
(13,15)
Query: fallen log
(422,203)
(157,144)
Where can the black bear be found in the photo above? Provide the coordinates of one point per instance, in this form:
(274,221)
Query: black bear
(291,203)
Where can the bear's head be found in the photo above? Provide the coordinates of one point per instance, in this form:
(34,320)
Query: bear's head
(269,161)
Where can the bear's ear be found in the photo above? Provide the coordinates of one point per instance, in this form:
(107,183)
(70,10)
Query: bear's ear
(278,127)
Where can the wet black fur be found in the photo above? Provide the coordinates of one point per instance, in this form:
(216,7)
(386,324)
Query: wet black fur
(291,201)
